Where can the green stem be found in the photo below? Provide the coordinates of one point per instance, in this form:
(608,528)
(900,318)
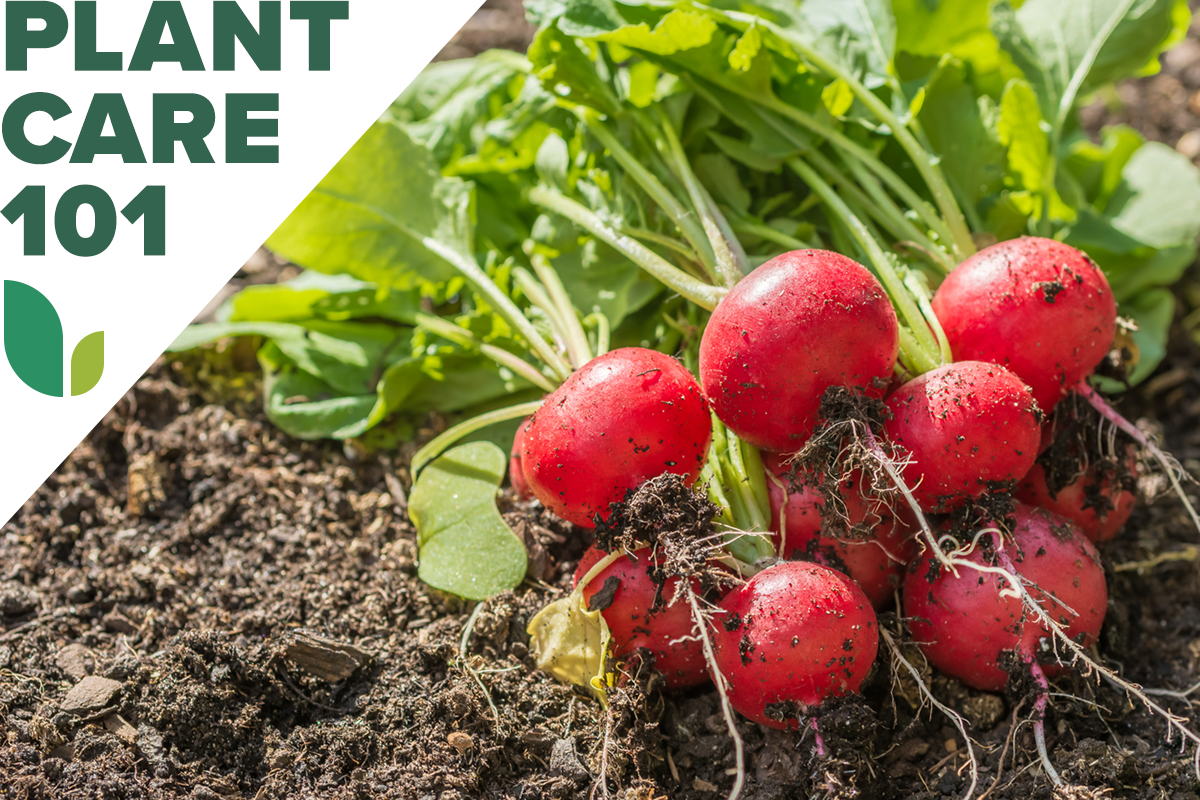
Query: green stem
(925,162)
(702,294)
(893,222)
(572,331)
(902,227)
(917,286)
(1067,101)
(456,333)
(537,295)
(925,355)
(683,219)
(438,444)
(749,227)
(850,151)
(668,242)
(600,322)
(730,261)
(502,303)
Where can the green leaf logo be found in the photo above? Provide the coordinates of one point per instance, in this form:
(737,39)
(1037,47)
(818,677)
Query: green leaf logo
(33,343)
(87,363)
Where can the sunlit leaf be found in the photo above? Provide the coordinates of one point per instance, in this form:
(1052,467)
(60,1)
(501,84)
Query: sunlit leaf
(465,546)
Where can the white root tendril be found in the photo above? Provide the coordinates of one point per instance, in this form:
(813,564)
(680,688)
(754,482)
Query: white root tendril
(1170,466)
(898,660)
(739,748)
(1175,723)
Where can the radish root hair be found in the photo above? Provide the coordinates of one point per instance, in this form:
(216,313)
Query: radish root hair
(700,621)
(898,661)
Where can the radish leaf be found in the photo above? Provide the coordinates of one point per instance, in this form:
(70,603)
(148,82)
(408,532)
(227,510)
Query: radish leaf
(466,548)
(369,216)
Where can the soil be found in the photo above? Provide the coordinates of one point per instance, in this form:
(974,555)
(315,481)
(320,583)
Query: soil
(195,605)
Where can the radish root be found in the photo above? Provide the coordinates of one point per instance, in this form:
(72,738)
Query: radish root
(1170,466)
(739,747)
(898,660)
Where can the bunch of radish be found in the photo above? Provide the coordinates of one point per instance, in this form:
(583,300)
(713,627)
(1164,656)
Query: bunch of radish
(1026,321)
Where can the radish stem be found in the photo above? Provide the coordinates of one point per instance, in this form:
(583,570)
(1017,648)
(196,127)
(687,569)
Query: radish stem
(702,294)
(436,446)
(731,262)
(504,306)
(925,162)
(572,331)
(683,219)
(1168,464)
(460,335)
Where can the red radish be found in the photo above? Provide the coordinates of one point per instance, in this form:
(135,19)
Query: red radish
(1039,307)
(800,323)
(619,420)
(1096,500)
(793,635)
(516,473)
(876,563)
(629,597)
(965,426)
(965,624)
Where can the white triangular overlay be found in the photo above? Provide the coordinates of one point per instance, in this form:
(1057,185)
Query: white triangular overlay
(217,214)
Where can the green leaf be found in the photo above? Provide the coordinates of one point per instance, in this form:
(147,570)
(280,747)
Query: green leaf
(1158,198)
(563,67)
(677,30)
(87,363)
(443,106)
(837,98)
(305,407)
(959,28)
(1020,130)
(1153,311)
(33,338)
(371,214)
(1101,40)
(746,153)
(1146,236)
(720,177)
(860,33)
(747,47)
(346,355)
(465,546)
(313,294)
(963,131)
(1096,168)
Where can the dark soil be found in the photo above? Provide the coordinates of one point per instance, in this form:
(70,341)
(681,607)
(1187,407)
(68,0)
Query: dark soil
(253,605)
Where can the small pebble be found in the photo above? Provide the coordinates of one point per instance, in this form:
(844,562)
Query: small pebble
(951,746)
(1189,144)
(90,694)
(462,742)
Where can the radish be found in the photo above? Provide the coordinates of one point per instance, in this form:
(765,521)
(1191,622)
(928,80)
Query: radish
(1082,475)
(800,323)
(639,614)
(516,473)
(966,427)
(965,624)
(793,635)
(871,544)
(1079,476)
(1039,307)
(619,420)
(1096,501)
